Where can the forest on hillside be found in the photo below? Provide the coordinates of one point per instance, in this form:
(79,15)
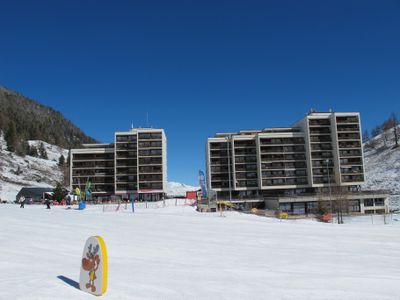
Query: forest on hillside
(23,119)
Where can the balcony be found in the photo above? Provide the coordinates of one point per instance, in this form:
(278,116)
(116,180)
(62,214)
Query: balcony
(285,181)
(282,141)
(150,136)
(323,180)
(319,122)
(346,128)
(282,149)
(154,144)
(219,153)
(150,177)
(125,147)
(244,143)
(245,167)
(126,139)
(126,163)
(348,136)
(246,175)
(151,185)
(321,147)
(92,156)
(321,155)
(322,171)
(150,152)
(349,119)
(150,160)
(245,151)
(347,153)
(247,183)
(150,169)
(220,177)
(218,146)
(245,159)
(352,178)
(320,139)
(350,144)
(126,187)
(224,169)
(351,161)
(350,170)
(320,131)
(132,155)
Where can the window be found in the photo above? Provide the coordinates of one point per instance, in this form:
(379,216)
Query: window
(286,207)
(354,205)
(379,202)
(368,202)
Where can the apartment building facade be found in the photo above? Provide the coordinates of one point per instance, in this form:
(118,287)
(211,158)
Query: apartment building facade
(318,154)
(135,164)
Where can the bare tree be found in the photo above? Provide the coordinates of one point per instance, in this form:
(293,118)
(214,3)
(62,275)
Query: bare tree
(394,122)
(385,132)
(366,136)
(340,201)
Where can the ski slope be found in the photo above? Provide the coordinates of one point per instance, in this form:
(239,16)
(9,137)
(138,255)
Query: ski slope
(176,253)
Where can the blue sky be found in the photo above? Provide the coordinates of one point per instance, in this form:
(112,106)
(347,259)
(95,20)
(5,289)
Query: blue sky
(200,67)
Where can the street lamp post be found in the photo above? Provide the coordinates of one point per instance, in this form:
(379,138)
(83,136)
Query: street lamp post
(229,168)
(329,186)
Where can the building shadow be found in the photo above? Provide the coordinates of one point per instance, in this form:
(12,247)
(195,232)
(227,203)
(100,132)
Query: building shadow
(69,281)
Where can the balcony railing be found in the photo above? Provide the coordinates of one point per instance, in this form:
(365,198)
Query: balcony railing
(352,119)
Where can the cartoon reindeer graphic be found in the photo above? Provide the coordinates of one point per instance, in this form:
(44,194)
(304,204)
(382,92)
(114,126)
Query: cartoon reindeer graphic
(91,264)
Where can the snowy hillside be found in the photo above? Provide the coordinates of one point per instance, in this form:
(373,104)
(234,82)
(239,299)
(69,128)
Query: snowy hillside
(176,189)
(382,165)
(17,171)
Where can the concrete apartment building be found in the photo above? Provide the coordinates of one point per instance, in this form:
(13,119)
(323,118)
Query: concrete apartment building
(294,168)
(136,163)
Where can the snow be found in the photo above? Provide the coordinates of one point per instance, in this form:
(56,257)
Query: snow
(178,253)
(34,171)
(382,167)
(177,189)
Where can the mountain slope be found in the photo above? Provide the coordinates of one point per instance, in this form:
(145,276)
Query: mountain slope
(176,189)
(17,172)
(382,166)
(30,120)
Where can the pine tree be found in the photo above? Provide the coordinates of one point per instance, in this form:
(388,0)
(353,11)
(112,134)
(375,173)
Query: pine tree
(42,151)
(33,151)
(11,137)
(58,192)
(61,161)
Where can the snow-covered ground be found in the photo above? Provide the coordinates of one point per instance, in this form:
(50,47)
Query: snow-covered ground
(33,171)
(382,167)
(177,253)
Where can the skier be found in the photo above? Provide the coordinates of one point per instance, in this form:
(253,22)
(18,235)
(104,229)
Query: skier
(22,201)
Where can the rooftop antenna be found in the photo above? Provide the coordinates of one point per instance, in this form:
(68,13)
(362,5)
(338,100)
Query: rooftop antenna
(131,125)
(147,119)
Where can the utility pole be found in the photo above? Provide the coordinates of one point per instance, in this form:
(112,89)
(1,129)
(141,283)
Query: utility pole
(229,168)
(329,186)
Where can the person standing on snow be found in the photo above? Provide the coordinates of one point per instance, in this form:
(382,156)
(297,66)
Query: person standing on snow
(47,202)
(22,201)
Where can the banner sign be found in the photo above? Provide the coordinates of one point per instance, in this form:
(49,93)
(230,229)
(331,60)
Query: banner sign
(202,183)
